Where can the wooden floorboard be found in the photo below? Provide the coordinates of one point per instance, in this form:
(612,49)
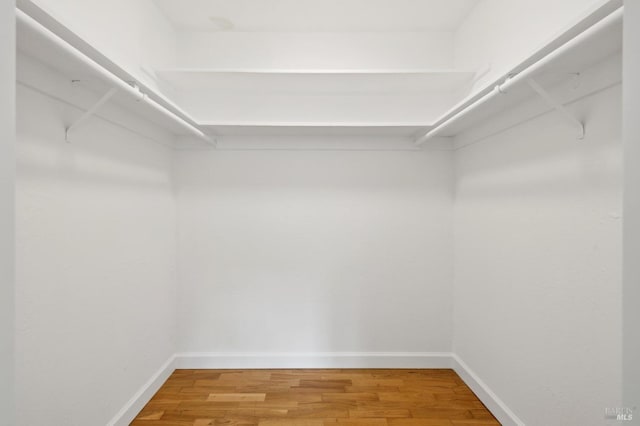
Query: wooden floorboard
(315,398)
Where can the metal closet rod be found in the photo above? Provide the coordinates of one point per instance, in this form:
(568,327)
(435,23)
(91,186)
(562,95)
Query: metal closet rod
(511,80)
(113,80)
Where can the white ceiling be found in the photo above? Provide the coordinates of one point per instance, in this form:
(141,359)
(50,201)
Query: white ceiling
(316,15)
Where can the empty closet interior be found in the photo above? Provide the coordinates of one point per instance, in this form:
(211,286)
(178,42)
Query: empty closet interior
(319,184)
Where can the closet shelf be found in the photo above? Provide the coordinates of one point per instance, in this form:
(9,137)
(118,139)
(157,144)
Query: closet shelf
(317,80)
(374,129)
(37,41)
(588,42)
(45,46)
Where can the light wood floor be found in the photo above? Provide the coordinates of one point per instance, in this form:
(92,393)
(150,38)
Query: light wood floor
(314,398)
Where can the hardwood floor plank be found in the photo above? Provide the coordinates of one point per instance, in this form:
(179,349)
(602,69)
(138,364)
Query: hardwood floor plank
(153,415)
(318,390)
(286,397)
(380,412)
(292,422)
(236,397)
(246,374)
(441,413)
(291,396)
(378,382)
(203,422)
(318,412)
(420,422)
(237,421)
(350,396)
(371,389)
(324,384)
(407,396)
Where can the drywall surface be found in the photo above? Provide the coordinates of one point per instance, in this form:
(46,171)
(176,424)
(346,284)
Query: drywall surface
(7,182)
(96,266)
(315,50)
(631,136)
(133,34)
(537,287)
(289,252)
(502,33)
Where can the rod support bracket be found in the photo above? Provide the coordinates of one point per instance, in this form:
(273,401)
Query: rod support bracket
(558,106)
(89,113)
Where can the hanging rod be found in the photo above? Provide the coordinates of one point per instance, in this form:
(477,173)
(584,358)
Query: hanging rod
(130,89)
(510,80)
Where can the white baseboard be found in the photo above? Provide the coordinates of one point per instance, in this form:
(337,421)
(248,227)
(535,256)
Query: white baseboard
(213,360)
(244,360)
(131,409)
(497,407)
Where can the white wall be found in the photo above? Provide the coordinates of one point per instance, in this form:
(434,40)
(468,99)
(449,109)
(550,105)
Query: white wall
(631,135)
(503,33)
(287,251)
(7,181)
(96,261)
(537,287)
(321,50)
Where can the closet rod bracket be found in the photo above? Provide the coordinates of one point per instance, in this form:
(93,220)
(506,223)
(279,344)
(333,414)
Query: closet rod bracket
(558,106)
(89,113)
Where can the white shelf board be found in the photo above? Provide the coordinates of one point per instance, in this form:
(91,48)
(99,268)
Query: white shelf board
(589,53)
(42,49)
(315,129)
(317,80)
